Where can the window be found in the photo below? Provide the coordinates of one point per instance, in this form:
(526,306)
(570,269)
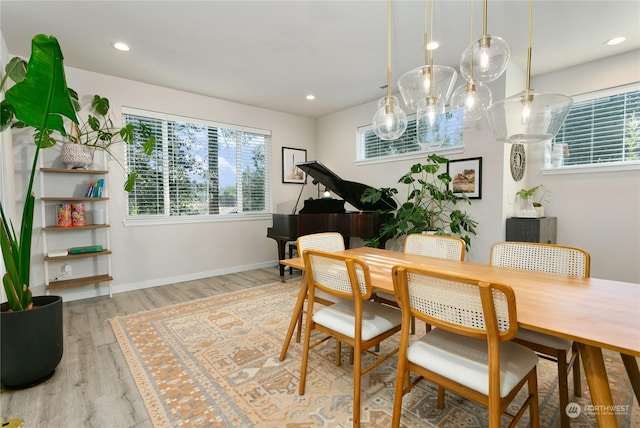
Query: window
(199,168)
(371,147)
(603,127)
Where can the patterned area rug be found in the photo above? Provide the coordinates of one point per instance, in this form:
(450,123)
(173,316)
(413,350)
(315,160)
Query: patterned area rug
(214,363)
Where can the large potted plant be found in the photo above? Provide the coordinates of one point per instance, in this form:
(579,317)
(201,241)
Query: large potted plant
(31,338)
(429,206)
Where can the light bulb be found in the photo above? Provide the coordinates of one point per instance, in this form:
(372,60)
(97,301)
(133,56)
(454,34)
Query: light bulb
(390,121)
(430,126)
(474,99)
(484,58)
(526,112)
(427,79)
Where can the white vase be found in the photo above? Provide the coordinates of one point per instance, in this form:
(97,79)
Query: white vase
(76,156)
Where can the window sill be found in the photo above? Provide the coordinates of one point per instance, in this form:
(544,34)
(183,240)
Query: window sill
(414,155)
(588,169)
(162,220)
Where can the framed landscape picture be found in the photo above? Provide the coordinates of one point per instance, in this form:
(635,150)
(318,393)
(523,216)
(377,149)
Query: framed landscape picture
(466,177)
(290,172)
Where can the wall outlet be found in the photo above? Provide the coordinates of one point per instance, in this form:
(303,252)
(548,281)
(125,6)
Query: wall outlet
(66,269)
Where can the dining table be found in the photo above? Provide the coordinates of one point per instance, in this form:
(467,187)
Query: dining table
(595,313)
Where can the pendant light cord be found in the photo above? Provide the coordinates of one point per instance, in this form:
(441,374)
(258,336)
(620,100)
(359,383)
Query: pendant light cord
(389,51)
(528,87)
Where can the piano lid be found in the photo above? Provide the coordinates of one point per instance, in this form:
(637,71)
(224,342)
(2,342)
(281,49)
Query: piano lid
(350,191)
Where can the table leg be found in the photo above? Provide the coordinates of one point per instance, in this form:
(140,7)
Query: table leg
(302,295)
(596,375)
(631,364)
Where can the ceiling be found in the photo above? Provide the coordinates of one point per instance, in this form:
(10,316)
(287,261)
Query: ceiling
(271,54)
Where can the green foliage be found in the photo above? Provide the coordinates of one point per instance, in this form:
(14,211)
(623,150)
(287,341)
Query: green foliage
(40,99)
(529,194)
(429,204)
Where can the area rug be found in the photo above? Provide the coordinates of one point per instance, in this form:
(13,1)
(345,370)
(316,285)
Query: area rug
(214,363)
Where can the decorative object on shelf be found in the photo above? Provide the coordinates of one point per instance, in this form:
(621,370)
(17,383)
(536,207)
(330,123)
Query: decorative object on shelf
(527,205)
(466,177)
(63,215)
(530,116)
(486,59)
(429,205)
(559,151)
(78,217)
(98,217)
(290,159)
(76,156)
(471,96)
(389,121)
(517,161)
(427,90)
(39,99)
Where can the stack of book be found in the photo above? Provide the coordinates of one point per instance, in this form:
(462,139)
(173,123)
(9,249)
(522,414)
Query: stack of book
(94,190)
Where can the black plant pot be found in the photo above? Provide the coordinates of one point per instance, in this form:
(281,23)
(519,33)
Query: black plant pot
(30,342)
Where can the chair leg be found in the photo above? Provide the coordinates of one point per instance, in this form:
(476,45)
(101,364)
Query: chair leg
(577,383)
(534,409)
(338,353)
(357,380)
(299,329)
(563,388)
(440,397)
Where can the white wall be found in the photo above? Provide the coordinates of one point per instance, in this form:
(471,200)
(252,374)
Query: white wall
(145,256)
(597,210)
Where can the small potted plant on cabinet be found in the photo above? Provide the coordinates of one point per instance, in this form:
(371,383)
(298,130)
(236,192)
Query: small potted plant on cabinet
(31,337)
(530,201)
(429,206)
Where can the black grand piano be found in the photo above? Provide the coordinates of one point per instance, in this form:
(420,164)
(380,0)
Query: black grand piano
(330,215)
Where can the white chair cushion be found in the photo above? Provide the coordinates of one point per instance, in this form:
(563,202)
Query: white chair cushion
(544,339)
(376,318)
(465,360)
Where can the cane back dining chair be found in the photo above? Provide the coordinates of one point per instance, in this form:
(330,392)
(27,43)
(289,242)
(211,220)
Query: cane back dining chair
(324,241)
(355,320)
(556,259)
(470,351)
(441,246)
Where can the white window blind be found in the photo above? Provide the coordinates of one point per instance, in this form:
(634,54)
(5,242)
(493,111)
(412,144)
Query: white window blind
(371,147)
(199,168)
(603,127)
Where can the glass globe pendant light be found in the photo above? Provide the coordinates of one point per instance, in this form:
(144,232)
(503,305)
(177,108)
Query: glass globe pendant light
(473,99)
(530,116)
(486,59)
(429,80)
(389,121)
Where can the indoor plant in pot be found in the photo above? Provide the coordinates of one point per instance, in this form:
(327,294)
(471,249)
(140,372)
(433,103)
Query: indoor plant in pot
(31,338)
(429,205)
(526,200)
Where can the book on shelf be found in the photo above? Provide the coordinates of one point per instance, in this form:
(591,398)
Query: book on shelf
(94,190)
(87,249)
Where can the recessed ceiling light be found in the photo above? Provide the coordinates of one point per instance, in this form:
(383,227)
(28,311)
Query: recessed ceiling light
(311,97)
(432,46)
(615,41)
(121,46)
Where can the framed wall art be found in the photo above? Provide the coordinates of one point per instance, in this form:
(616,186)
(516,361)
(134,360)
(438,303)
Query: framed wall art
(290,172)
(466,177)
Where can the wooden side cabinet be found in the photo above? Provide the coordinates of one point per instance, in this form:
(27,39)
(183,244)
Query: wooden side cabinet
(541,229)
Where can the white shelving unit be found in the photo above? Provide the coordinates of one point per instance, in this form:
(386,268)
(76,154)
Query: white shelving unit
(60,186)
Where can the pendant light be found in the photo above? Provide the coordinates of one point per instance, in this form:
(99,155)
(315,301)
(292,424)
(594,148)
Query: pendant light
(530,116)
(389,121)
(487,58)
(473,98)
(427,89)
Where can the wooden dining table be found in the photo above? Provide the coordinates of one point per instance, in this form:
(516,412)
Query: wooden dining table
(595,313)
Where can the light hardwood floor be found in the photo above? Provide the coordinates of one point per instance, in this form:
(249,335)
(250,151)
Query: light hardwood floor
(92,386)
